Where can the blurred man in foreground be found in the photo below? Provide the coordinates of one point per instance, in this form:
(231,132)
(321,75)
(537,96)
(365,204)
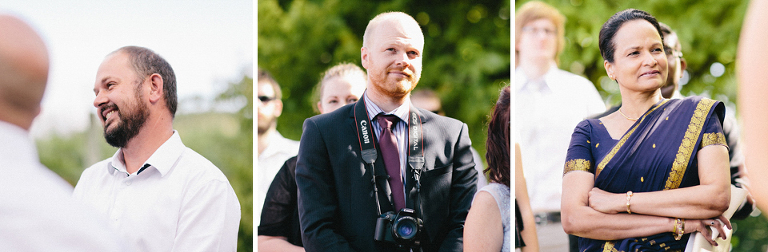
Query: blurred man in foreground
(37,212)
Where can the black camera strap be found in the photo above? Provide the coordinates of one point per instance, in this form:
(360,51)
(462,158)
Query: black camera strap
(369,153)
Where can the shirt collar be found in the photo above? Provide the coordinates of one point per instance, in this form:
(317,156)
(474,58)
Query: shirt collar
(162,159)
(373,109)
(548,81)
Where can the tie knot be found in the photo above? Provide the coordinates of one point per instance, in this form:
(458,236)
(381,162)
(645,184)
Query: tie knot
(387,121)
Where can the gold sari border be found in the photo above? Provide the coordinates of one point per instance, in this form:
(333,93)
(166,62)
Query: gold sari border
(712,139)
(621,142)
(577,165)
(688,143)
(609,247)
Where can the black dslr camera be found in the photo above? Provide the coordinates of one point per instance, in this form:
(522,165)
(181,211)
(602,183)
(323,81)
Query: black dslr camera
(403,229)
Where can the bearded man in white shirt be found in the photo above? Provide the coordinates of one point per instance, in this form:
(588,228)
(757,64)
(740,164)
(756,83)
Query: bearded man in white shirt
(37,212)
(159,194)
(549,102)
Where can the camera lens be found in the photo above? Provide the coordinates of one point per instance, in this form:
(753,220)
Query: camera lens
(405,228)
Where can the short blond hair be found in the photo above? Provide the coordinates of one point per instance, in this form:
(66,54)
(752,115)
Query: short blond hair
(535,10)
(341,70)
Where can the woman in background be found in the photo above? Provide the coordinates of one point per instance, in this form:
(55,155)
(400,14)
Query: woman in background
(279,229)
(487,227)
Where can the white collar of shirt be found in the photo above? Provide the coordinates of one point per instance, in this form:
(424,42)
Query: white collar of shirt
(17,145)
(548,81)
(162,159)
(373,109)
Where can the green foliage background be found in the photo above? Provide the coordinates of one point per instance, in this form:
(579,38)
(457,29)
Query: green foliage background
(466,52)
(226,139)
(709,32)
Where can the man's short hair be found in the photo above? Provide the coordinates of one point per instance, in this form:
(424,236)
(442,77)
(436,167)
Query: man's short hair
(264,76)
(381,17)
(146,62)
(535,10)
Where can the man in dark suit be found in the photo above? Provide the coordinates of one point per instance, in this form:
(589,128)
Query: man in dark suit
(338,202)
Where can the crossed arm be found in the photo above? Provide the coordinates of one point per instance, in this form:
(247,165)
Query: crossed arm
(593,213)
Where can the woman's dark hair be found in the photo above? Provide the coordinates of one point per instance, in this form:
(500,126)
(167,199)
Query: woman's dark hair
(497,145)
(609,29)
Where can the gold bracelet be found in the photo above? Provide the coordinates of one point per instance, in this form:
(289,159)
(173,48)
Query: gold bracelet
(629,196)
(679,228)
(674,227)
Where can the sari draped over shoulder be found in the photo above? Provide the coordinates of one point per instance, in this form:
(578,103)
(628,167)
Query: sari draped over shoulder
(657,153)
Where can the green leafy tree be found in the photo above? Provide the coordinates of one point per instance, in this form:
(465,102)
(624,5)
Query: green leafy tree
(466,52)
(708,30)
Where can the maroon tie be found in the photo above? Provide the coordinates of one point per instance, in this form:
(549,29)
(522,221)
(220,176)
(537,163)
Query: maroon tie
(391,155)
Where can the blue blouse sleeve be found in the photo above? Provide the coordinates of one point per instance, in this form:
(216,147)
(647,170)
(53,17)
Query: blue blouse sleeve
(579,156)
(713,129)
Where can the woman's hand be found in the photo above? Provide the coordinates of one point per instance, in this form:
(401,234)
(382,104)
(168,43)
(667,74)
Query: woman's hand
(605,202)
(703,226)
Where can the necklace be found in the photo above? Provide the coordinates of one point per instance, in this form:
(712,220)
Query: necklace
(625,116)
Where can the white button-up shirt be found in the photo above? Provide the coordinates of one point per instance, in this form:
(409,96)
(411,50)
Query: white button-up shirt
(37,212)
(269,163)
(179,202)
(547,111)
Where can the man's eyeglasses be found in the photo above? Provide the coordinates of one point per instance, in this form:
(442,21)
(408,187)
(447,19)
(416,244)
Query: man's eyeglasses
(265,99)
(536,30)
(670,52)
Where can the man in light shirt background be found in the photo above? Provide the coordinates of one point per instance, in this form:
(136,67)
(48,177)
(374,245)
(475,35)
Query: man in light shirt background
(273,148)
(549,102)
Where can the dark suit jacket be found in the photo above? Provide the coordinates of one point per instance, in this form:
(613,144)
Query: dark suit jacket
(337,210)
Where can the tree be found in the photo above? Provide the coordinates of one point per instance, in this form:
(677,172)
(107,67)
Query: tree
(466,52)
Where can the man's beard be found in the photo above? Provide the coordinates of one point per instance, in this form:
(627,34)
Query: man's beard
(129,125)
(394,88)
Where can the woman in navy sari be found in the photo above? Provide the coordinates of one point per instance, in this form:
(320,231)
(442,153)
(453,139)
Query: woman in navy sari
(646,176)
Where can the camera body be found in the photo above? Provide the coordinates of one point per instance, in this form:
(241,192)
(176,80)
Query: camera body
(403,229)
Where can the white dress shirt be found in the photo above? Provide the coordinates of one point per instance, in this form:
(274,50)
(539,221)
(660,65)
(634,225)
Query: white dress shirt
(270,161)
(37,211)
(547,111)
(179,202)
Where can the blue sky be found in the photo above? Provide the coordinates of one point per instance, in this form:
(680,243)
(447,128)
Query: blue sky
(208,43)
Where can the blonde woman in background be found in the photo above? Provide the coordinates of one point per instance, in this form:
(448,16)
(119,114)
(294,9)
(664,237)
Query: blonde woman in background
(279,229)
